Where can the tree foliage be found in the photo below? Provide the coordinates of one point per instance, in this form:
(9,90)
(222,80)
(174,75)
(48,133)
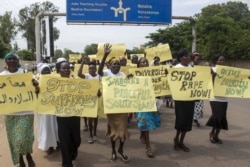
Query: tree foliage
(4,48)
(26,55)
(7,28)
(67,52)
(221,28)
(90,49)
(27,17)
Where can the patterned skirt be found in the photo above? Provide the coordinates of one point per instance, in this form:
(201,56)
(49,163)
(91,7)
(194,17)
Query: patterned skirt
(198,109)
(148,121)
(20,135)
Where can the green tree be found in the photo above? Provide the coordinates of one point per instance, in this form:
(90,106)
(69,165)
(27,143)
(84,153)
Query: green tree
(67,52)
(26,55)
(7,28)
(135,50)
(90,49)
(58,53)
(222,29)
(178,36)
(27,17)
(4,48)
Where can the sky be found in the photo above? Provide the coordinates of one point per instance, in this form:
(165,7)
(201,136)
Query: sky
(76,37)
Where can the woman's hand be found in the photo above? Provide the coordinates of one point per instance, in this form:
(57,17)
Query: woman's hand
(99,93)
(130,76)
(36,85)
(107,49)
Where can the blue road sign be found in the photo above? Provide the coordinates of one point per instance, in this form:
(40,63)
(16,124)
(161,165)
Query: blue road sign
(120,11)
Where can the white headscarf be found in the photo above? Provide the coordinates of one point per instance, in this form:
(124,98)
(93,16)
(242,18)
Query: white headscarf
(41,66)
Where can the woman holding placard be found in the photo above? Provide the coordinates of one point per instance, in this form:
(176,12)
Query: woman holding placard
(118,122)
(19,125)
(68,126)
(147,121)
(218,119)
(184,110)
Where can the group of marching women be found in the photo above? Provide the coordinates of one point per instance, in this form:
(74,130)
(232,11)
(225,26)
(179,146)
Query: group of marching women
(64,132)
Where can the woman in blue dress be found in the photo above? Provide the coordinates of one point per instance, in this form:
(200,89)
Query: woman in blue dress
(147,121)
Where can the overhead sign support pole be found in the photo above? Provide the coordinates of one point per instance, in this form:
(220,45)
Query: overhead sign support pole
(37,32)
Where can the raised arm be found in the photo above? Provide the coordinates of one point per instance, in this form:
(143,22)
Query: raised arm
(80,74)
(107,50)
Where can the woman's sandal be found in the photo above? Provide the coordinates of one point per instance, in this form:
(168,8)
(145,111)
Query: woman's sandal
(176,145)
(149,152)
(142,139)
(50,150)
(31,163)
(184,148)
(217,140)
(124,156)
(197,123)
(21,162)
(113,158)
(211,138)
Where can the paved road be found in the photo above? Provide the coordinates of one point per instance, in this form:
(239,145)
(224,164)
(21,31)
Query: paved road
(234,152)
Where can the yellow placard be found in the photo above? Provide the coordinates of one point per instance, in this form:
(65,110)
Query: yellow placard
(92,57)
(158,75)
(17,93)
(68,97)
(123,95)
(191,83)
(162,51)
(85,69)
(125,69)
(232,82)
(74,57)
(117,50)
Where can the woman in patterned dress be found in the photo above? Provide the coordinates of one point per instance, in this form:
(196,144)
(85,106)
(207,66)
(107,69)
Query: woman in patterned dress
(19,125)
(147,121)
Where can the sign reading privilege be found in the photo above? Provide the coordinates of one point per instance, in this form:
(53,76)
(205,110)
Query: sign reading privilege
(126,95)
(68,97)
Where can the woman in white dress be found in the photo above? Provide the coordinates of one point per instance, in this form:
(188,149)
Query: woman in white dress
(46,124)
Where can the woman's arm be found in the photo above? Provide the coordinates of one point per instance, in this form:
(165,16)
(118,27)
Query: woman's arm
(80,74)
(107,50)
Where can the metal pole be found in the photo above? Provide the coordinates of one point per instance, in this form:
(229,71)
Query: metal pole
(37,32)
(193,29)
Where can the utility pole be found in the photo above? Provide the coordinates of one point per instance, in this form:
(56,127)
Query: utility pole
(193,29)
(37,31)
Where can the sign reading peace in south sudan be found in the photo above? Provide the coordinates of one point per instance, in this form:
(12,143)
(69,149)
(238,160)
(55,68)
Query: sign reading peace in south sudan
(123,95)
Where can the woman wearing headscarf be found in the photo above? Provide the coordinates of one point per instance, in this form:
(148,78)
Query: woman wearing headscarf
(117,123)
(47,125)
(19,125)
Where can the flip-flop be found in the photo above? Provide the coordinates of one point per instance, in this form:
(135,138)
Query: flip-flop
(211,138)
